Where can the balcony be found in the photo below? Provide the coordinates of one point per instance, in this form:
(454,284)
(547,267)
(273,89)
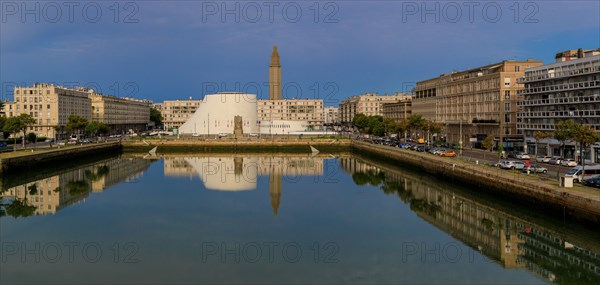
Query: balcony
(595,68)
(560,101)
(560,114)
(560,87)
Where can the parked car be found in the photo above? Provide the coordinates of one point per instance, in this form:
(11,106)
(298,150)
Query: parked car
(511,164)
(536,168)
(499,163)
(448,153)
(49,140)
(555,160)
(420,148)
(592,182)
(222,135)
(568,162)
(543,158)
(522,155)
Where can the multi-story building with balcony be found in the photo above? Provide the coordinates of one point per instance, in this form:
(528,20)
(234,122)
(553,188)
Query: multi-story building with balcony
(397,111)
(369,104)
(331,115)
(567,89)
(309,110)
(50,106)
(176,112)
(120,114)
(475,103)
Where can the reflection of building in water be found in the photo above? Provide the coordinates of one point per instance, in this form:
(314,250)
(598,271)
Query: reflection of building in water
(177,166)
(53,193)
(237,173)
(501,236)
(275,191)
(225,173)
(234,173)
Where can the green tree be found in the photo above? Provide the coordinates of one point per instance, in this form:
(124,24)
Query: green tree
(389,125)
(415,122)
(75,123)
(31,137)
(2,124)
(360,121)
(156,117)
(564,131)
(585,136)
(431,127)
(402,128)
(540,135)
(18,124)
(488,142)
(20,208)
(95,128)
(375,122)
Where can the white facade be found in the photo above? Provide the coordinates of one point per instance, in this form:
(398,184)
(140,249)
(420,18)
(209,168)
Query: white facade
(281,127)
(217,112)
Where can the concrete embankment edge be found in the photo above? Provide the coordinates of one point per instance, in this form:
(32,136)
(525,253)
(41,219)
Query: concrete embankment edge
(29,161)
(237,147)
(560,200)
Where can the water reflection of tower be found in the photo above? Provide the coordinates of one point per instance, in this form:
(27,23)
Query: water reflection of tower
(275,191)
(275,178)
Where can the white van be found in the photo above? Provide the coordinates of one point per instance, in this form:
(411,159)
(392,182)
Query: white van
(591,170)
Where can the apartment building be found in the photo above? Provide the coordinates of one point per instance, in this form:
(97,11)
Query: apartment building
(120,114)
(331,115)
(397,111)
(475,103)
(50,106)
(309,110)
(369,104)
(176,112)
(567,89)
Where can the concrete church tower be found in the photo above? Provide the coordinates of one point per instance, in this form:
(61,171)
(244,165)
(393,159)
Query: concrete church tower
(275,76)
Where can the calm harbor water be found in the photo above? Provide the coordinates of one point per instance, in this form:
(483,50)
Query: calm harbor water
(276,219)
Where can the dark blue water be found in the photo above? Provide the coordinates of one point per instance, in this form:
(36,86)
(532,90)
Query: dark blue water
(274,220)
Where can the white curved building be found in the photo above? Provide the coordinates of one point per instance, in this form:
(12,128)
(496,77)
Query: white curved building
(217,112)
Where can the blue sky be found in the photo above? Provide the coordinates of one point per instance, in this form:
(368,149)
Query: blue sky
(176,49)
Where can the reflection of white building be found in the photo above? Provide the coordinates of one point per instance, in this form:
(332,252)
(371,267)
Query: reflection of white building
(217,113)
(226,173)
(237,173)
